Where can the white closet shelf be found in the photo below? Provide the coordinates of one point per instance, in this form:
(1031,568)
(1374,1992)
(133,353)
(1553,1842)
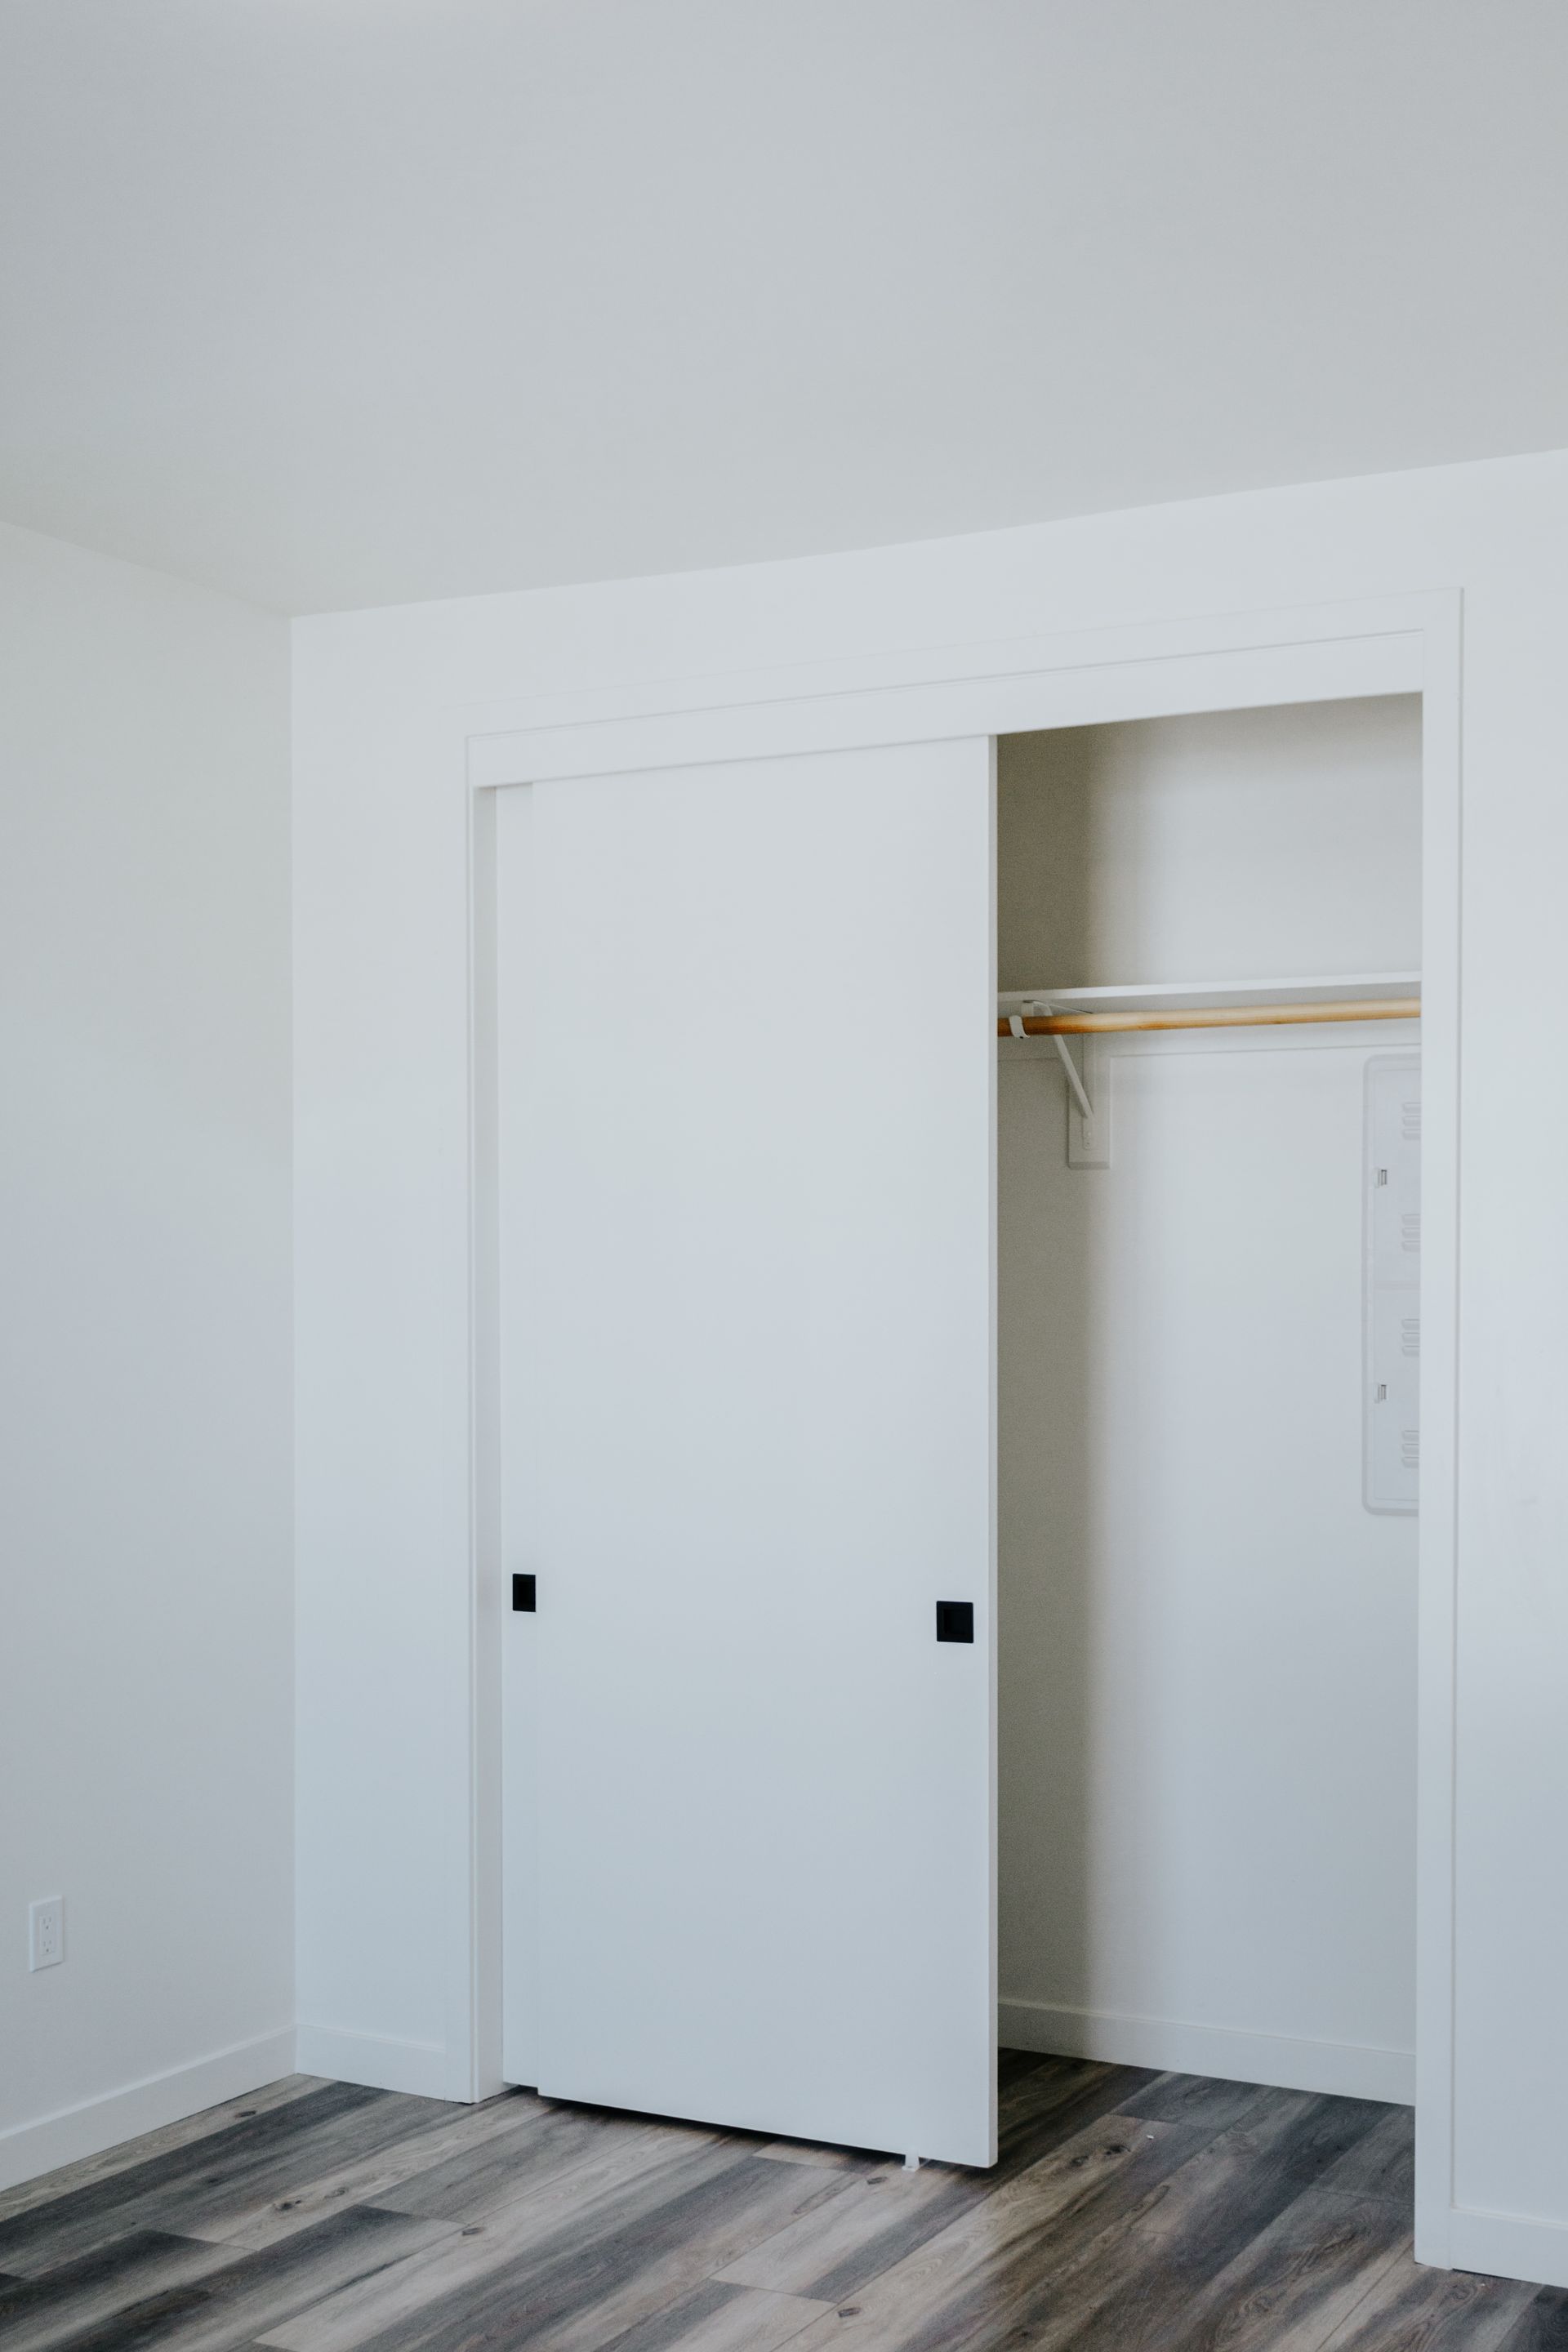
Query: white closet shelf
(1209,1003)
(1156,996)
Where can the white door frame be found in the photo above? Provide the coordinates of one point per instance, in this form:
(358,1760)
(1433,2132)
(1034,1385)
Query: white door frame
(1247,660)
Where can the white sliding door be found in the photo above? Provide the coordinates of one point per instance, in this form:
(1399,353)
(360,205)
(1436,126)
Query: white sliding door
(747,1057)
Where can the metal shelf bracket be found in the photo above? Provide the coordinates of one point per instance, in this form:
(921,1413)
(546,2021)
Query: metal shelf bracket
(1015,1023)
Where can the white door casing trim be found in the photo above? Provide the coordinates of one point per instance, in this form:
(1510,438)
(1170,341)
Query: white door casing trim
(1250,659)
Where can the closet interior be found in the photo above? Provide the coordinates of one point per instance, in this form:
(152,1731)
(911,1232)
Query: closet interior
(1209,1254)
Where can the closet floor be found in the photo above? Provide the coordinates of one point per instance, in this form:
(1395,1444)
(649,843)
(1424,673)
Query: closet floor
(1128,2210)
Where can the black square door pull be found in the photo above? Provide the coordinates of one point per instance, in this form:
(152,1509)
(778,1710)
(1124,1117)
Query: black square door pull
(522,1594)
(956,1620)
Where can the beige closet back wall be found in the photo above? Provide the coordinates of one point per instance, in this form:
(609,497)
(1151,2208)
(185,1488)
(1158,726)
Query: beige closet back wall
(1208,1644)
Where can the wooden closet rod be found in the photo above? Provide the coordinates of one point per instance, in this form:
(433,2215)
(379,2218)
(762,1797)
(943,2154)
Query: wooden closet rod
(1217,1016)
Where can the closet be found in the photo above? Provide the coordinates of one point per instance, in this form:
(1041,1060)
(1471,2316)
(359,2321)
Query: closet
(1207,1416)
(816,1296)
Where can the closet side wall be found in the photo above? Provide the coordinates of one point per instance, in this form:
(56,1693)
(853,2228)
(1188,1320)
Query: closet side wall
(1208,1646)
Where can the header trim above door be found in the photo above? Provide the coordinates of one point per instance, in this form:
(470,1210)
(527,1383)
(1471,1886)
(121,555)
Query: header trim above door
(1324,654)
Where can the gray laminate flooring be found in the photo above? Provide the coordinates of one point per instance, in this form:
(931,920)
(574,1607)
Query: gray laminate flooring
(1127,2210)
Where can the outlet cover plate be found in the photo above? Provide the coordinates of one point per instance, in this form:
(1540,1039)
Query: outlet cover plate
(47,1932)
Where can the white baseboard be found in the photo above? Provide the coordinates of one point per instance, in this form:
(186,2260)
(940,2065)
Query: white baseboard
(86,2129)
(1508,2245)
(1353,2069)
(379,2061)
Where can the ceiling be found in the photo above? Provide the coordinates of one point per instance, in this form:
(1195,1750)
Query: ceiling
(338,302)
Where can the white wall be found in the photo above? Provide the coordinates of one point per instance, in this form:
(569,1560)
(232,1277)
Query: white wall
(1230,845)
(146,1692)
(385,1347)
(1208,1646)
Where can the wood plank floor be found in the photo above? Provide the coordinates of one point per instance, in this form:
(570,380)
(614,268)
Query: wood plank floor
(1129,2211)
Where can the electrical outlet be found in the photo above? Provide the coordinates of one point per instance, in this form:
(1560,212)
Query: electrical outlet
(47,1932)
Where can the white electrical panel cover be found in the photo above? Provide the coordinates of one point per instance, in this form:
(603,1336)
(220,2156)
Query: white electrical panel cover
(1392,1407)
